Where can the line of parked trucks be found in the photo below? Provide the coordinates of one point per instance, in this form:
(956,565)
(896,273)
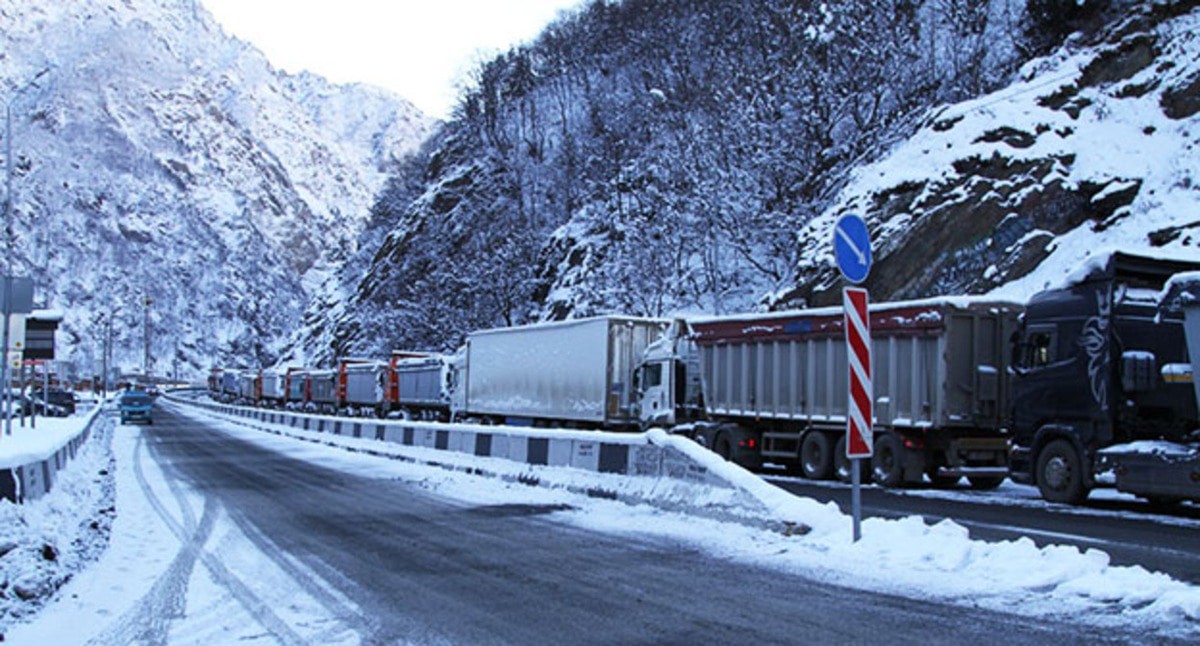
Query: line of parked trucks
(1088,384)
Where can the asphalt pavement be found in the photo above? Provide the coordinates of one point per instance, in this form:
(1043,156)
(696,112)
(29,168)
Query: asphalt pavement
(417,568)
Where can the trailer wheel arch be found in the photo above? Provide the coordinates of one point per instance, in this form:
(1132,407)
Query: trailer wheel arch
(723,445)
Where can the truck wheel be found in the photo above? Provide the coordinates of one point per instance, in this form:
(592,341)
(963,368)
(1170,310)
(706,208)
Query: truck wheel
(841,463)
(723,447)
(1059,473)
(985,483)
(887,466)
(816,459)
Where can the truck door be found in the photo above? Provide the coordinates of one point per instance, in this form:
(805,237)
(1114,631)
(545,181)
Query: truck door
(657,407)
(1035,399)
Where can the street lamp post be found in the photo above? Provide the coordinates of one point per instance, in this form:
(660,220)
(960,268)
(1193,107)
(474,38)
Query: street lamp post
(106,351)
(8,241)
(146,353)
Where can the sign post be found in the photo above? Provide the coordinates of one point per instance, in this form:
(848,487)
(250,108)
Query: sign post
(16,297)
(852,250)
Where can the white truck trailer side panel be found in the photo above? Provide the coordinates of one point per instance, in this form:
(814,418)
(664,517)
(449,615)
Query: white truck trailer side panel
(272,385)
(364,383)
(322,385)
(574,371)
(422,382)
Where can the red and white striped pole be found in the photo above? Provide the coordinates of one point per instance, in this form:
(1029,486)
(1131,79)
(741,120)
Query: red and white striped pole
(852,251)
(858,351)
(859,414)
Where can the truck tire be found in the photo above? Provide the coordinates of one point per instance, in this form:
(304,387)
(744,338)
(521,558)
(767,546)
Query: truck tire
(723,446)
(887,465)
(841,466)
(841,463)
(816,456)
(1060,473)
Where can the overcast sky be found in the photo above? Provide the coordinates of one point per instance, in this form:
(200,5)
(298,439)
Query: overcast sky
(419,49)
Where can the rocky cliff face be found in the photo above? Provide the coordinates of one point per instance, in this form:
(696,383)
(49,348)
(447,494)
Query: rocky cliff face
(1094,147)
(159,160)
(651,158)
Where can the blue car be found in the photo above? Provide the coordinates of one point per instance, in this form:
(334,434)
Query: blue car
(136,406)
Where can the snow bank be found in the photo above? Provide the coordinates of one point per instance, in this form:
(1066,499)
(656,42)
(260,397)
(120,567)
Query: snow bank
(44,542)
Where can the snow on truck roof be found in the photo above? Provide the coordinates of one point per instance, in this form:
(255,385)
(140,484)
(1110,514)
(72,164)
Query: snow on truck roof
(1114,263)
(618,318)
(934,303)
(1181,290)
(915,316)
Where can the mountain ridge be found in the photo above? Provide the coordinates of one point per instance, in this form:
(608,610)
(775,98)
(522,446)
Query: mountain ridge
(162,159)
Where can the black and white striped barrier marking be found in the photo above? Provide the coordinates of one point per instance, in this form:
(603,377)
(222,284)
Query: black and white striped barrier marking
(27,482)
(622,454)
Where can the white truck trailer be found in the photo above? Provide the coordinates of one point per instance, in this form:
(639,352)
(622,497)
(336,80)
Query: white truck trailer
(574,373)
(361,386)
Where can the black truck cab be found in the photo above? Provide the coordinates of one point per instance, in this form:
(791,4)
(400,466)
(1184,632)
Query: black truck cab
(1090,369)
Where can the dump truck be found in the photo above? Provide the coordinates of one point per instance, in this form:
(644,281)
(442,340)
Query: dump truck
(272,389)
(773,388)
(575,374)
(418,386)
(322,391)
(1103,382)
(360,387)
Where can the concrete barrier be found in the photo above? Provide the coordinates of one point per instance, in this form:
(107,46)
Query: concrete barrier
(34,476)
(603,452)
(668,472)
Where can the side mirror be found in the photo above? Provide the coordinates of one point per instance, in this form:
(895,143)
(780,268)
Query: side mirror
(1139,371)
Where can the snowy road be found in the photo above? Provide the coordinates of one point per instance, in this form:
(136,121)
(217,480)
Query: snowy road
(273,547)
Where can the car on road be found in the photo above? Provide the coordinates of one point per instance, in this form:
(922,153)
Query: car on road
(57,399)
(136,406)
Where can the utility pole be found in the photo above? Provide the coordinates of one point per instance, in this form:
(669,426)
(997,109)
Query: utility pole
(6,396)
(146,327)
(106,350)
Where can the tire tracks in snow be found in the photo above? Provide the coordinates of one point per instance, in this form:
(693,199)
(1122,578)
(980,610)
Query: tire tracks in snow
(150,619)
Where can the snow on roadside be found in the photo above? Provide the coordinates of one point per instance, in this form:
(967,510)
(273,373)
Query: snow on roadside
(45,542)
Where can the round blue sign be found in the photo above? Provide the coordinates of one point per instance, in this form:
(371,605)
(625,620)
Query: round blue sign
(852,247)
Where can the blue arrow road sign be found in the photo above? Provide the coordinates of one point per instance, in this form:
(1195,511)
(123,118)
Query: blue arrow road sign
(852,247)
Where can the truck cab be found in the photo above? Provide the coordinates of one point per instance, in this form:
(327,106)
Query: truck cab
(668,380)
(1090,369)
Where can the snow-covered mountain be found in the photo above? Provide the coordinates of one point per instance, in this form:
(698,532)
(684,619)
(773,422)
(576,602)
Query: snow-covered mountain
(159,159)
